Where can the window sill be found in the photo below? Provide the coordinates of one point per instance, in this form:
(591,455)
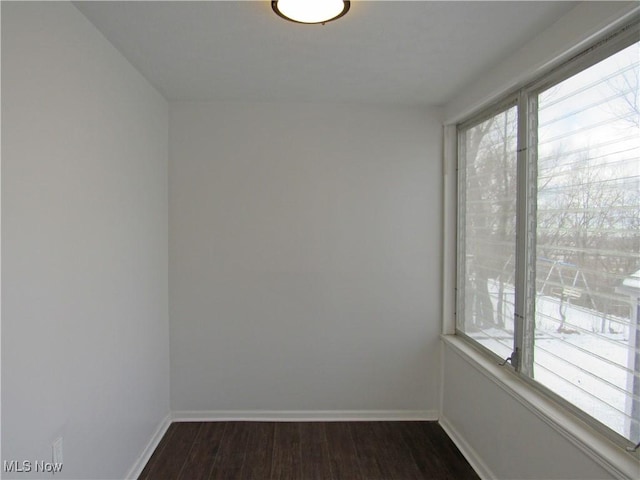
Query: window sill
(615,459)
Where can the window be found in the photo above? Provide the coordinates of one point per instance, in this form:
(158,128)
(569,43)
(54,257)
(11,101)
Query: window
(487,152)
(549,234)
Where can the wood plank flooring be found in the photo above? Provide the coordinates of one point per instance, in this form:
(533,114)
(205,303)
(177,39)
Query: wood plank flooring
(306,451)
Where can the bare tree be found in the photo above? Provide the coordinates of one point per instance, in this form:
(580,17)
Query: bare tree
(490,190)
(622,92)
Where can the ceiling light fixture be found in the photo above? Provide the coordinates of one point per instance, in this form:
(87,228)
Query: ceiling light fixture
(310,11)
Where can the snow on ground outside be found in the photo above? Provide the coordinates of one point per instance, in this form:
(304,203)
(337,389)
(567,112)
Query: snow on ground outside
(589,370)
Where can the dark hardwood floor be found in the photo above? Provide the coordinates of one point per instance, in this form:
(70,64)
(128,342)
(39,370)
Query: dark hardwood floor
(307,451)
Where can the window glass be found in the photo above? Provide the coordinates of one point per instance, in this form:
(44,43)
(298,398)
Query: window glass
(489,230)
(587,271)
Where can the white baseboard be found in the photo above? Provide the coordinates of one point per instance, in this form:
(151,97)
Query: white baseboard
(135,471)
(467,451)
(302,415)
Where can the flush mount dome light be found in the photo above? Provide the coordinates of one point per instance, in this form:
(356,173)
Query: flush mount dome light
(310,11)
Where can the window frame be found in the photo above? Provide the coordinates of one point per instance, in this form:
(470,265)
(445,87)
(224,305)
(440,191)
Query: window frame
(497,108)
(525,97)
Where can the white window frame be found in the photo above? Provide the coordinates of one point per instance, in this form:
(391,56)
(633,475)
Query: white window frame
(526,100)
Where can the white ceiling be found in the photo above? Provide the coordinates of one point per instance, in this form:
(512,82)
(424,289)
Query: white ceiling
(398,52)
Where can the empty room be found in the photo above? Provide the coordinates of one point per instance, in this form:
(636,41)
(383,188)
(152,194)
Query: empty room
(353,240)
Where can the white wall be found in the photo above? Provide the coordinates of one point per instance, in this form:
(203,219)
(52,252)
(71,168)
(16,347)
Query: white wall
(304,257)
(503,437)
(84,246)
(510,440)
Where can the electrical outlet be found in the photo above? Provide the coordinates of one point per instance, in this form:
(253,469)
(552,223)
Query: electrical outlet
(56,447)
